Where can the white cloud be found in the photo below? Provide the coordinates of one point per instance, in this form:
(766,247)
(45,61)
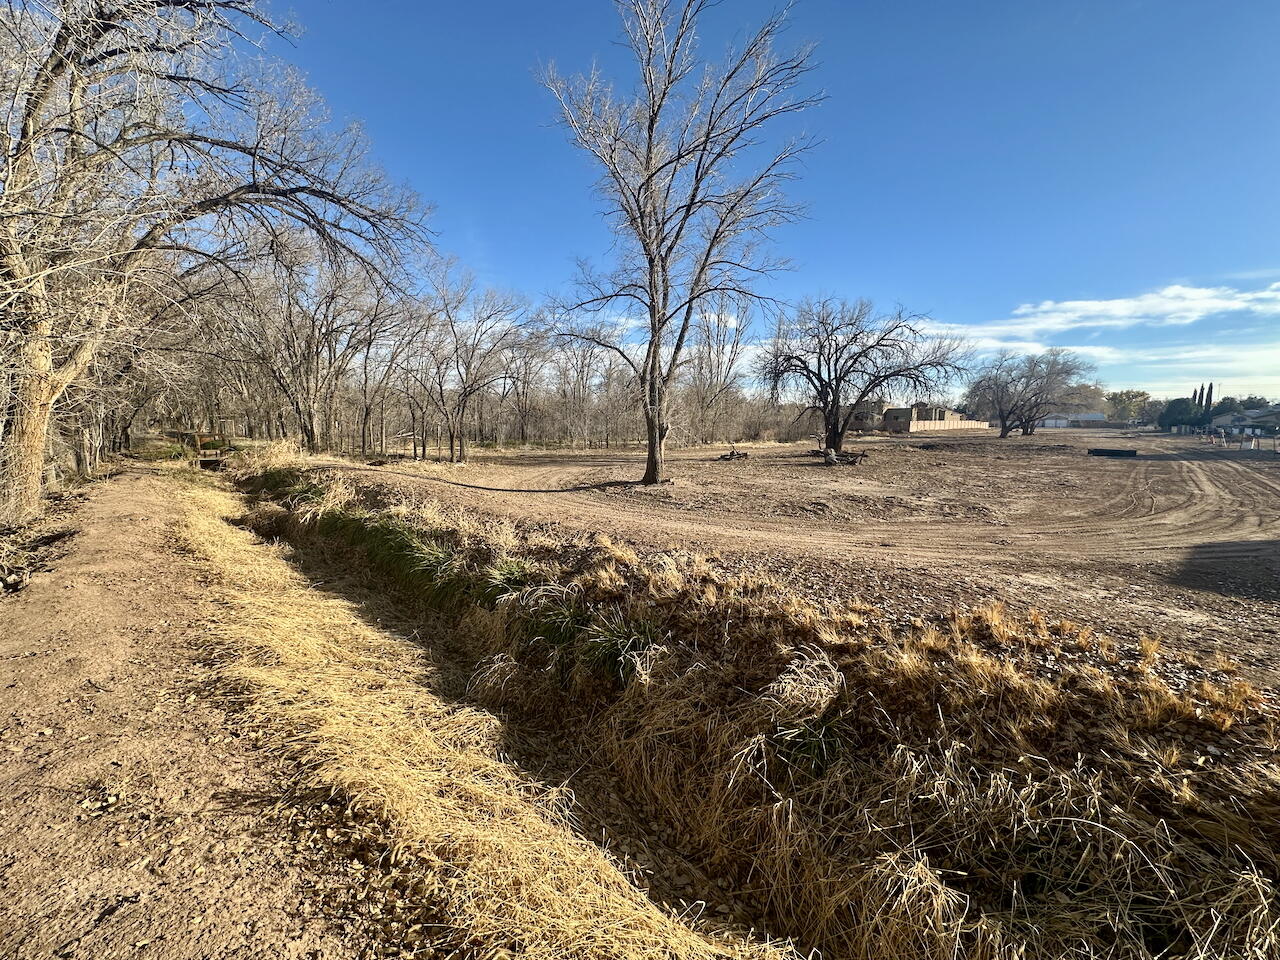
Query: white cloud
(1175,305)
(1169,359)
(1173,371)
(1266,273)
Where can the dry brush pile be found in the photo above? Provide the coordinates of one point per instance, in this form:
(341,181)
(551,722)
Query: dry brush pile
(991,786)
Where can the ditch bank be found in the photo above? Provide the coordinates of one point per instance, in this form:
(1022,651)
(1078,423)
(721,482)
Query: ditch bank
(980,787)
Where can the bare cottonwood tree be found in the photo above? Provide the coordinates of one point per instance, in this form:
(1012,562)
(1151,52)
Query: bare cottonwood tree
(525,366)
(841,354)
(1019,390)
(689,198)
(574,370)
(129,145)
(714,369)
(305,321)
(463,351)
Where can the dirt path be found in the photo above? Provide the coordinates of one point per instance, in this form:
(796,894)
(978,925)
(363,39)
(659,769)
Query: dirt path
(133,816)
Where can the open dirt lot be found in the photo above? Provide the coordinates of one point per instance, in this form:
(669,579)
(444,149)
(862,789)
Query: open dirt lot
(1182,540)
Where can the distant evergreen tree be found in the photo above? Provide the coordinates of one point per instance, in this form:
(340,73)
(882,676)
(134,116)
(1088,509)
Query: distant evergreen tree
(1181,412)
(1208,400)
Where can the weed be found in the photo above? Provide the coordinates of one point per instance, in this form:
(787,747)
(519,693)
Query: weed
(493,850)
(972,791)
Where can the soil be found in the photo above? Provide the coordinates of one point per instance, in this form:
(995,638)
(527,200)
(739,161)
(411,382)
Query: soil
(1181,541)
(136,818)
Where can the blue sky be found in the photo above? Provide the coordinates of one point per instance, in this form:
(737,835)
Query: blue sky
(1100,174)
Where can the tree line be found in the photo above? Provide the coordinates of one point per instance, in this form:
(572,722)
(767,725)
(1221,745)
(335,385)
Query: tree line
(187,242)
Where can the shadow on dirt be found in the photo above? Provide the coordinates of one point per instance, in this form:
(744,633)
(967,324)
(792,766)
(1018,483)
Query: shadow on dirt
(1249,569)
(577,488)
(1210,454)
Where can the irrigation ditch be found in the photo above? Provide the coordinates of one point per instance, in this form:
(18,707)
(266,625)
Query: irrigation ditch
(983,787)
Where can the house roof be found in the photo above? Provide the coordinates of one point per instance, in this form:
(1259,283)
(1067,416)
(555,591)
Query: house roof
(1267,416)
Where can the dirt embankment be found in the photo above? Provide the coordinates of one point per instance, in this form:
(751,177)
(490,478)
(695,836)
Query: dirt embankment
(205,755)
(135,819)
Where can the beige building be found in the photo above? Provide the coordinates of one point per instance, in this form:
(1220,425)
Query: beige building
(920,417)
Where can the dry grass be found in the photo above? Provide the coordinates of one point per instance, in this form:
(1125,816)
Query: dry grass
(992,787)
(353,705)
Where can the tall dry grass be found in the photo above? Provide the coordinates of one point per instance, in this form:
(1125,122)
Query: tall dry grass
(353,706)
(992,787)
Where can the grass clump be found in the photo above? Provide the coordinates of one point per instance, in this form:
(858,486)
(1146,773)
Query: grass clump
(993,786)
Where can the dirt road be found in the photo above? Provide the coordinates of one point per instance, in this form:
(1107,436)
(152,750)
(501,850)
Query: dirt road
(133,818)
(1182,540)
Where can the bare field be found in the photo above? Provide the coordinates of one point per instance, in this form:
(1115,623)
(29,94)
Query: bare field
(1181,541)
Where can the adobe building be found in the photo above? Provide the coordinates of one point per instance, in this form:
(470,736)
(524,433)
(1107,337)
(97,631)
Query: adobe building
(920,417)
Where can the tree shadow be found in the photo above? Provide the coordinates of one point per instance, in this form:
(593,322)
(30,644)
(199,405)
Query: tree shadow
(576,488)
(1247,569)
(1209,454)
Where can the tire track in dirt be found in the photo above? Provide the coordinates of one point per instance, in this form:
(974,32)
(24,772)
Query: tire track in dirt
(1137,511)
(1182,542)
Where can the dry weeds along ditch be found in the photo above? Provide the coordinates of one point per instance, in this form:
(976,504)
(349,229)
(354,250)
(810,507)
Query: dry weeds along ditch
(494,868)
(982,787)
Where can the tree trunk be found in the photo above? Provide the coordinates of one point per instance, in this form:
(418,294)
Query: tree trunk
(655,460)
(307,430)
(22,463)
(834,436)
(366,418)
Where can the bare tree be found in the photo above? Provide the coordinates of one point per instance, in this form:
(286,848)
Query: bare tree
(842,354)
(714,370)
(1019,390)
(689,204)
(129,148)
(575,368)
(464,351)
(305,321)
(524,375)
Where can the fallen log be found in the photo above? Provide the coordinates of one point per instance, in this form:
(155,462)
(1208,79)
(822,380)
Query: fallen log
(1111,452)
(833,459)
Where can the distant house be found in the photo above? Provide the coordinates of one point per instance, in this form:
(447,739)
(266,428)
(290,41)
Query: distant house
(1066,420)
(923,416)
(1251,423)
(868,415)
